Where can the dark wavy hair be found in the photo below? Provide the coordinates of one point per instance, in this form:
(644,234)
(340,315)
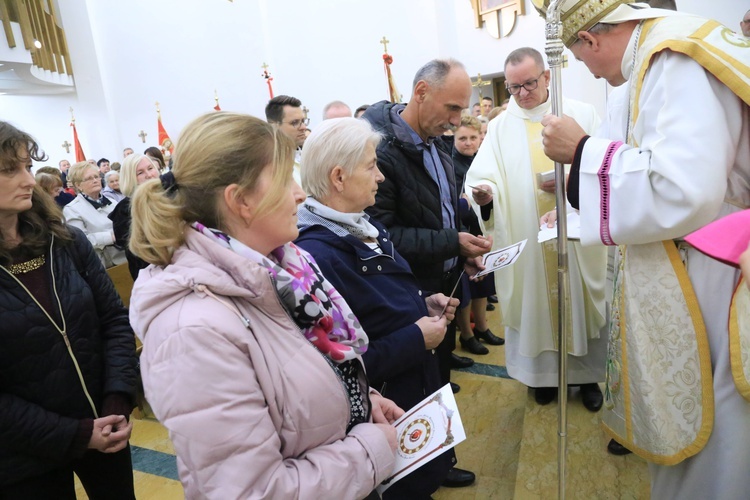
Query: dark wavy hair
(44,219)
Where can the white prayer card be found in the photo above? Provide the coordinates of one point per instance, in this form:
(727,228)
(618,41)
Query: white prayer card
(425,432)
(501,258)
(574,228)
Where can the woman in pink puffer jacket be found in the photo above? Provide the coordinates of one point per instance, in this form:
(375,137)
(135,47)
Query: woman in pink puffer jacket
(251,359)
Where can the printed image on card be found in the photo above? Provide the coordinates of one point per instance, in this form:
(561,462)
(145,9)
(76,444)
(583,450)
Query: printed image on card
(426,431)
(501,258)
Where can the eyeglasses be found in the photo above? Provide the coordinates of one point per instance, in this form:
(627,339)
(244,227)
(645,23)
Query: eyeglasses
(89,179)
(529,86)
(298,123)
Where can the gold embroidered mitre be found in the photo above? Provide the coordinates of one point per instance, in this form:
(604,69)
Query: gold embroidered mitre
(579,15)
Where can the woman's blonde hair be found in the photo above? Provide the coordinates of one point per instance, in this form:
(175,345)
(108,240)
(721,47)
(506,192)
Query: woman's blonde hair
(48,182)
(129,171)
(213,151)
(471,122)
(77,172)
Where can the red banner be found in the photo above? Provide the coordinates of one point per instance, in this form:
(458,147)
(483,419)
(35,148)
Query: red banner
(79,150)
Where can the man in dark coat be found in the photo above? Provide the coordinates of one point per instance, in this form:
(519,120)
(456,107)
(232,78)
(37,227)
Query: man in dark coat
(418,202)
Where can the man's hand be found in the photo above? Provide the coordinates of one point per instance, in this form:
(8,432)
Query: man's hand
(384,411)
(482,194)
(472,266)
(472,246)
(437,302)
(560,137)
(550,218)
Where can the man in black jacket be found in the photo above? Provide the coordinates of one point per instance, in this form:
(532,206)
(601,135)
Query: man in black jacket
(418,202)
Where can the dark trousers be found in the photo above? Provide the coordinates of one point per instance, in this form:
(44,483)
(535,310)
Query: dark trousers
(444,350)
(103,475)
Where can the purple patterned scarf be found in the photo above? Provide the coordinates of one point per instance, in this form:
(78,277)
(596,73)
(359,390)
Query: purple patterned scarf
(321,313)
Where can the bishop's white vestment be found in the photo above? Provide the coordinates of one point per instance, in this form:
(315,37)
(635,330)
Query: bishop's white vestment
(671,394)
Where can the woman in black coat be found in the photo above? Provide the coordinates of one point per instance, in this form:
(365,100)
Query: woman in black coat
(67,352)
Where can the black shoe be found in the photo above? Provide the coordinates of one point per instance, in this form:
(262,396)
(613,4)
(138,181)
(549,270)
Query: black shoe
(545,395)
(492,299)
(459,478)
(473,345)
(488,337)
(460,361)
(616,448)
(455,387)
(592,398)
(490,307)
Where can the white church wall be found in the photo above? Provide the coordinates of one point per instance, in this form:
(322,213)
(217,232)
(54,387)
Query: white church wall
(128,55)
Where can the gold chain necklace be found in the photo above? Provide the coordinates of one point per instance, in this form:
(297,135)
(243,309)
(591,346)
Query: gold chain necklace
(64,330)
(28,266)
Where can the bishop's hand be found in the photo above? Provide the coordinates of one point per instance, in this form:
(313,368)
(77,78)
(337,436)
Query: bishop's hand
(560,137)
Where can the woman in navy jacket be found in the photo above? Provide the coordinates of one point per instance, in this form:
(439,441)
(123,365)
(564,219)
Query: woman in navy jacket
(356,255)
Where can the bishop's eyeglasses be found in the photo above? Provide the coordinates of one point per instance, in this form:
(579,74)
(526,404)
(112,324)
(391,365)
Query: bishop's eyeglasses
(529,86)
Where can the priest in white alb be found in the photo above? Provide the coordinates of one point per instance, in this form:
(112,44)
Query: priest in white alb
(508,189)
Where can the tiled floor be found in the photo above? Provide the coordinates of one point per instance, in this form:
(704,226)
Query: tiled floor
(511,445)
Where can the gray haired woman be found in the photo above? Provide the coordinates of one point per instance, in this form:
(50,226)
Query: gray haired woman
(355,253)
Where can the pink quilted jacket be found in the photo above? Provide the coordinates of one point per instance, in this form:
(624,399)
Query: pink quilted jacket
(252,408)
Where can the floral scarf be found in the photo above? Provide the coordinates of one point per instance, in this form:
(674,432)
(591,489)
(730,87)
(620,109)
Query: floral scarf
(321,313)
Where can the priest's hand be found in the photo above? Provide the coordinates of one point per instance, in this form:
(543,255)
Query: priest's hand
(473,246)
(482,194)
(550,218)
(560,137)
(549,186)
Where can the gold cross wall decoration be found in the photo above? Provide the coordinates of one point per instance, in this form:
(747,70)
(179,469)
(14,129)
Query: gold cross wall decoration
(385,43)
(66,145)
(480,83)
(143,135)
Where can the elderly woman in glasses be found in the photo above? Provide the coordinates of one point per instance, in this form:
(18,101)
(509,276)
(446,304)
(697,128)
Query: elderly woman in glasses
(89,210)
(403,323)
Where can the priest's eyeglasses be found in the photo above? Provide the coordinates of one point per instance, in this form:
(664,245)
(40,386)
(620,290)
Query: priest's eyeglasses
(298,123)
(529,86)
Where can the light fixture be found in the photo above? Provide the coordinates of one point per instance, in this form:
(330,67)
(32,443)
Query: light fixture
(37,44)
